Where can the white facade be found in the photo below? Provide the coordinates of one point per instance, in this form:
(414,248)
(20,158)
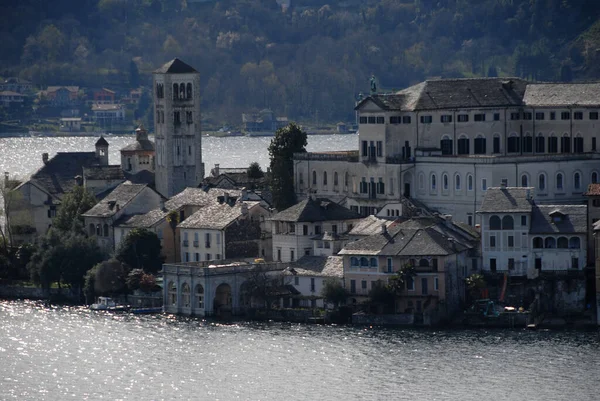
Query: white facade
(200,245)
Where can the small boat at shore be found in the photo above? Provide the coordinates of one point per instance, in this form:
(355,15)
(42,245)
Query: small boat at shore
(107,304)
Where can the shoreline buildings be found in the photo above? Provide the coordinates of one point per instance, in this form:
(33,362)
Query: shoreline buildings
(443,143)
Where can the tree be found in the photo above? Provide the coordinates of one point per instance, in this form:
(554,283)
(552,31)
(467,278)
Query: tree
(110,277)
(64,259)
(134,278)
(383,295)
(398,281)
(264,286)
(334,292)
(140,249)
(134,75)
(144,104)
(73,205)
(475,283)
(287,141)
(254,171)
(173,220)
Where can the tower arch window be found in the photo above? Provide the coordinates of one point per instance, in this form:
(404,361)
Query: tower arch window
(314,177)
(550,243)
(524,180)
(324,178)
(335,179)
(182,91)
(542,182)
(175,91)
(98,230)
(188,91)
(433,182)
(508,223)
(346,179)
(105,230)
(495,223)
(421,181)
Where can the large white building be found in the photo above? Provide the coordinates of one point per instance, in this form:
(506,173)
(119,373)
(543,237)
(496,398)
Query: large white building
(443,143)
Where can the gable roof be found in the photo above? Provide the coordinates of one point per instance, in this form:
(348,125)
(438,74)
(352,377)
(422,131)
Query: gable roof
(369,225)
(57,176)
(116,200)
(311,210)
(507,200)
(103,173)
(454,94)
(101,141)
(175,66)
(562,94)
(317,266)
(139,145)
(216,216)
(573,219)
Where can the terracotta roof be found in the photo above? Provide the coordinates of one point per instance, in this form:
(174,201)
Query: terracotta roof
(507,200)
(116,200)
(562,94)
(175,66)
(593,190)
(321,209)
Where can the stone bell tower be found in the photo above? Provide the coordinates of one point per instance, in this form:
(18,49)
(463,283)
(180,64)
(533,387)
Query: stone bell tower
(178,135)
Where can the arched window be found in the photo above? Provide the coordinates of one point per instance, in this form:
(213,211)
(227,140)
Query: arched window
(559,181)
(324,178)
(565,144)
(189,91)
(577,180)
(98,230)
(105,230)
(457,182)
(364,262)
(199,296)
(542,182)
(538,242)
(574,243)
(513,143)
(479,147)
(182,91)
(445,182)
(562,243)
(508,223)
(335,179)
(373,262)
(92,229)
(433,183)
(446,145)
(423,263)
(354,261)
(412,262)
(552,144)
(550,243)
(175,91)
(186,298)
(540,143)
(469,182)
(527,143)
(463,145)
(346,179)
(496,144)
(421,181)
(594,177)
(172,294)
(578,144)
(524,181)
(495,223)
(314,178)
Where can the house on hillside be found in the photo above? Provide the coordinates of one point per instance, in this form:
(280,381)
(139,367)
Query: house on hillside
(295,228)
(104,96)
(15,84)
(125,200)
(440,251)
(107,114)
(61,95)
(10,98)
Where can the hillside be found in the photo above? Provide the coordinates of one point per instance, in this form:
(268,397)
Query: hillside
(308,61)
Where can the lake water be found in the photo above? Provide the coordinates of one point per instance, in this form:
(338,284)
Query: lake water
(64,353)
(21,156)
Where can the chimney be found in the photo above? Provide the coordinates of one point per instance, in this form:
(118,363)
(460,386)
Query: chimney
(45,158)
(226,197)
(478,227)
(448,220)
(244,195)
(504,183)
(383,228)
(6,177)
(244,209)
(216,170)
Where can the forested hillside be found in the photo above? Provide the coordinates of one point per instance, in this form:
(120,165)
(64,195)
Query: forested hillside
(314,57)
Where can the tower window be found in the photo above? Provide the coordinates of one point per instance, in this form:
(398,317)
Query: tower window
(176,117)
(189,91)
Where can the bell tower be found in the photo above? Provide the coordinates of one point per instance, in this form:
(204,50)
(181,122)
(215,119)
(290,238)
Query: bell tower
(178,135)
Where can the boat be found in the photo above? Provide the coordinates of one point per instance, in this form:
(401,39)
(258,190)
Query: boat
(107,304)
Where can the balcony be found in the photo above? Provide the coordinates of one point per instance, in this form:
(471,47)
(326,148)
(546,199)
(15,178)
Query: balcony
(196,244)
(186,243)
(207,244)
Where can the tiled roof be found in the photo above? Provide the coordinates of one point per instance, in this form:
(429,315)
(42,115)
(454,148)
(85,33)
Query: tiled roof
(593,190)
(317,266)
(175,66)
(141,177)
(103,173)
(369,225)
(69,88)
(116,200)
(11,93)
(57,176)
(106,107)
(215,216)
(454,94)
(321,209)
(507,200)
(561,94)
(418,237)
(142,220)
(142,144)
(574,219)
(101,141)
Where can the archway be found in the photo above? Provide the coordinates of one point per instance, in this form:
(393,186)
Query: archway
(222,301)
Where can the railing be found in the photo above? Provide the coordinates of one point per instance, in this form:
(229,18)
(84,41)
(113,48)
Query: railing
(207,244)
(186,243)
(349,155)
(196,244)
(219,267)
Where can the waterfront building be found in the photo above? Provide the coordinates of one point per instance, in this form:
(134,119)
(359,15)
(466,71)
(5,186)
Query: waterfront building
(442,252)
(139,155)
(108,114)
(444,142)
(225,229)
(125,200)
(178,137)
(593,212)
(306,278)
(522,238)
(35,202)
(70,124)
(296,228)
(263,122)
